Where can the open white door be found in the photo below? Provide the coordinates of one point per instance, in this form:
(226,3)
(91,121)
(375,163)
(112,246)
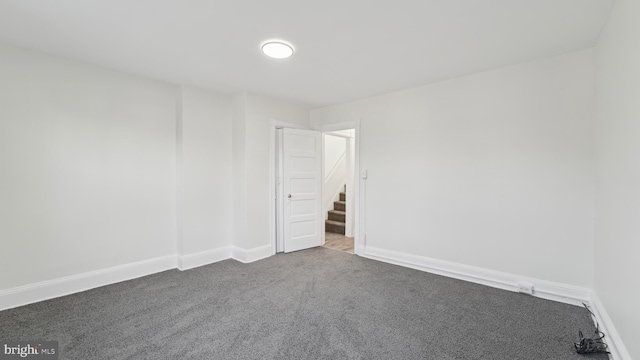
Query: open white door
(303,220)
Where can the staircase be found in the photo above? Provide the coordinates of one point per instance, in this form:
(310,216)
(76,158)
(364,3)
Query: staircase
(336,222)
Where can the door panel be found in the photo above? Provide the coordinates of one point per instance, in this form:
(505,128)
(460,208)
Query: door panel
(302,189)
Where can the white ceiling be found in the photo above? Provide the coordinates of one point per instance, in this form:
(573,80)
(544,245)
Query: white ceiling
(345,49)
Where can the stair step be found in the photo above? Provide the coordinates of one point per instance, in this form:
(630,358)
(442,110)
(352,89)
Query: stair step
(336,215)
(343,196)
(335,227)
(340,205)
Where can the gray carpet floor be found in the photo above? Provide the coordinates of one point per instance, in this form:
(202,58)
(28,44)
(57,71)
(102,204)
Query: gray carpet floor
(312,304)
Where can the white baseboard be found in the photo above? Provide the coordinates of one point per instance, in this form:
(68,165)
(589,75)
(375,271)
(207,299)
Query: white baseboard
(186,262)
(251,255)
(612,338)
(27,294)
(569,294)
(544,289)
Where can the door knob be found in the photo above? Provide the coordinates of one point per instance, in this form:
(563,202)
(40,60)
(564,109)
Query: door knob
(289,196)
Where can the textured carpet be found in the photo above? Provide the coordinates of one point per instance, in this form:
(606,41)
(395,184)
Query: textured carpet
(312,304)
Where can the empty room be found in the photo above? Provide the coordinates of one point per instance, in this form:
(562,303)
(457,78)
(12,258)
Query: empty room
(284,179)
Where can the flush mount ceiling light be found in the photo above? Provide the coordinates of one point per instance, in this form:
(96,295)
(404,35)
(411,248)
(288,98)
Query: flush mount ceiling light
(277,49)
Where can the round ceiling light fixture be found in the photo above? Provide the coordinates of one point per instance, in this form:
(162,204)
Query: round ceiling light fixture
(277,49)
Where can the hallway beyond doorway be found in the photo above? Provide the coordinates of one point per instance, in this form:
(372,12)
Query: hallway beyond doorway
(338,242)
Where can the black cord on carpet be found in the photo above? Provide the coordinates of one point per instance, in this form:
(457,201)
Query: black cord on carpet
(591,345)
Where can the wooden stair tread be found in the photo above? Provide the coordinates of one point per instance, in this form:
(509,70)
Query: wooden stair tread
(333,222)
(337,217)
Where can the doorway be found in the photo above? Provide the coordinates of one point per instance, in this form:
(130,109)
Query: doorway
(338,149)
(281,206)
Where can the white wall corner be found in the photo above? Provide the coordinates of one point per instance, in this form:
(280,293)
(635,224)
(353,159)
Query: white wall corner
(251,255)
(564,293)
(617,349)
(186,262)
(179,195)
(28,294)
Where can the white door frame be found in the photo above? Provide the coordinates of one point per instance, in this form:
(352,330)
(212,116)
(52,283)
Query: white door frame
(359,235)
(359,185)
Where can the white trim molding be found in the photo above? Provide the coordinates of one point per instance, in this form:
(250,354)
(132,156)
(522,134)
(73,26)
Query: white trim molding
(207,257)
(45,290)
(49,289)
(612,338)
(564,293)
(251,255)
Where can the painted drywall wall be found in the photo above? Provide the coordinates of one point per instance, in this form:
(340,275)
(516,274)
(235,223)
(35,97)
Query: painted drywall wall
(251,163)
(493,170)
(335,148)
(87,159)
(335,170)
(205,159)
(618,171)
(238,146)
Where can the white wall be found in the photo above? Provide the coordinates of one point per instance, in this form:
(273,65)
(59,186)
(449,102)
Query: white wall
(335,148)
(251,172)
(239,179)
(102,169)
(87,168)
(617,247)
(493,170)
(206,178)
